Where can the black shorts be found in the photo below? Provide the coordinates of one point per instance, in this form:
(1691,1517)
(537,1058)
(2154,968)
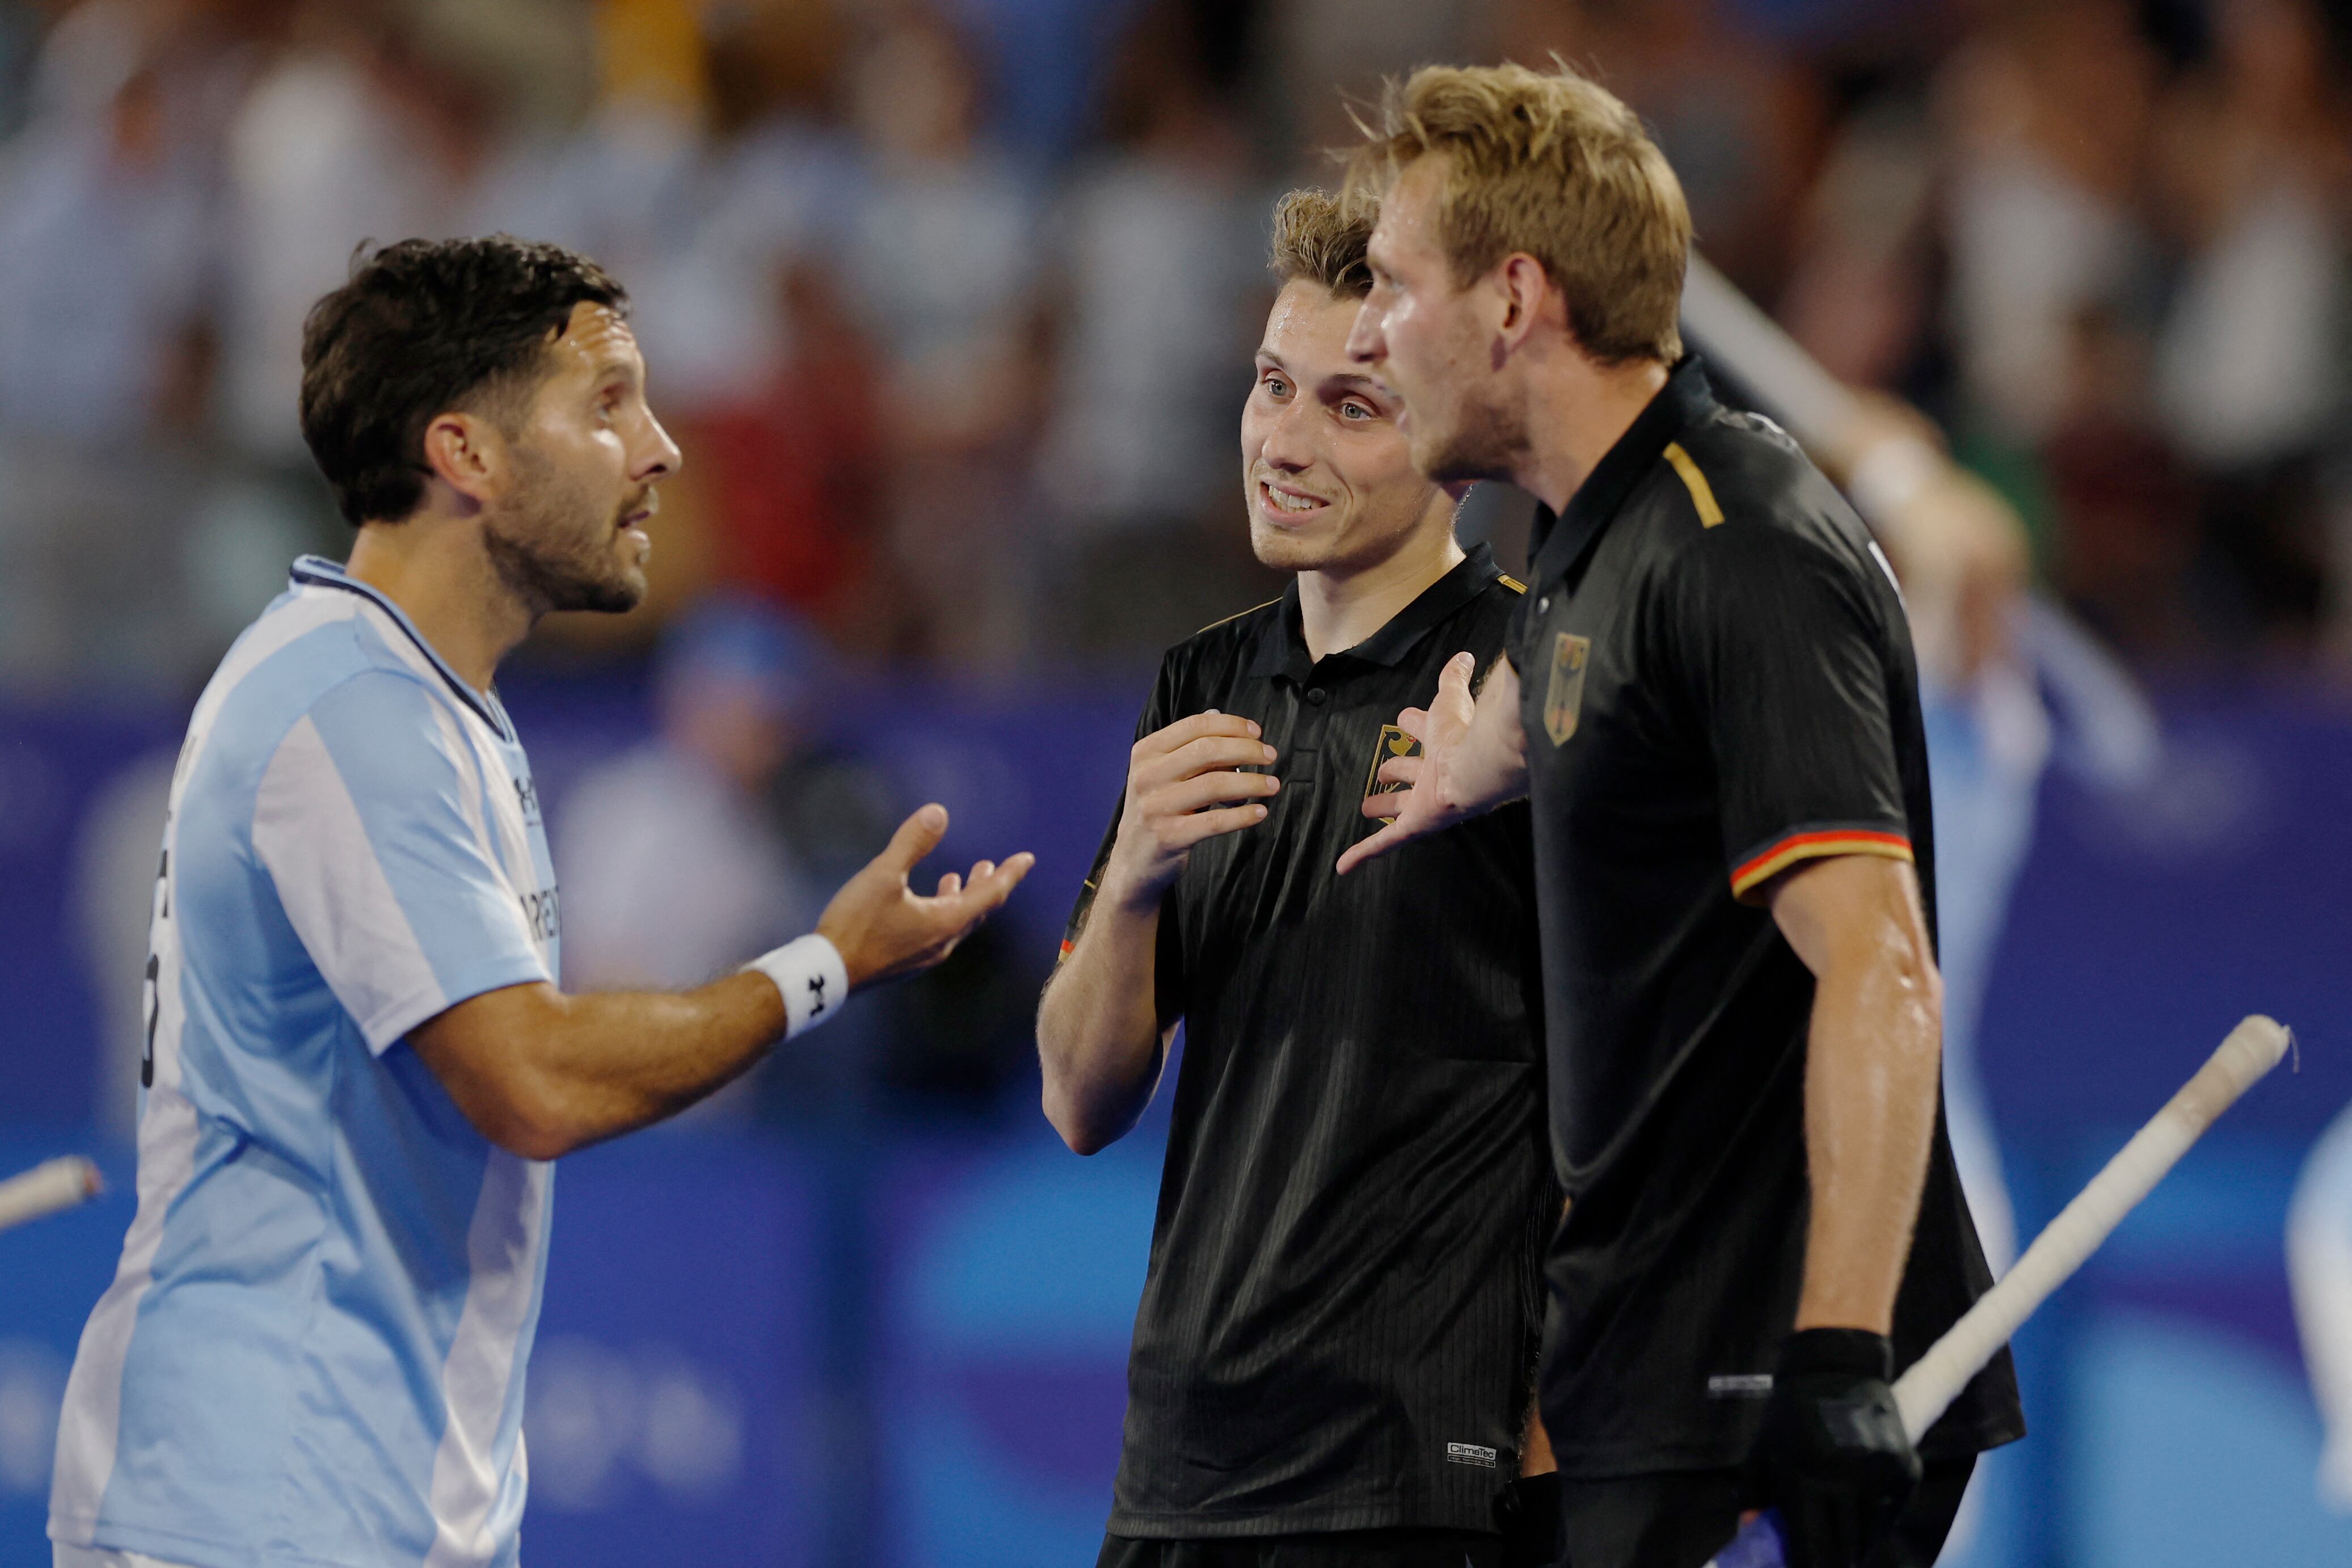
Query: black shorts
(1345,1549)
(1681,1519)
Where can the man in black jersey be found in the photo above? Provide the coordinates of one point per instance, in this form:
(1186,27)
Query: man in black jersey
(1336,1347)
(1711,705)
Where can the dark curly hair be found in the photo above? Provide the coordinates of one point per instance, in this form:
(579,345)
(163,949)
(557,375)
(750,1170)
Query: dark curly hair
(424,327)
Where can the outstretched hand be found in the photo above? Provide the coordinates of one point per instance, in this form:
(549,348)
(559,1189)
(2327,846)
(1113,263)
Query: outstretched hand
(1472,758)
(883,928)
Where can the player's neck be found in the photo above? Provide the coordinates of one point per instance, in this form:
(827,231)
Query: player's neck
(1577,410)
(435,569)
(1341,608)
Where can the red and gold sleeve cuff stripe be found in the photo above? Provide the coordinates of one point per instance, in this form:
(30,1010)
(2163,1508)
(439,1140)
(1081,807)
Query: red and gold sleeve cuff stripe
(1787,851)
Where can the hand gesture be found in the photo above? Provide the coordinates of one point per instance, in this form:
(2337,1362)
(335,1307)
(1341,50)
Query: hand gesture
(1472,758)
(1182,786)
(883,928)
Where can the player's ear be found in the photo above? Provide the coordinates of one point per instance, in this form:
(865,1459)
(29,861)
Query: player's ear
(465,452)
(1521,291)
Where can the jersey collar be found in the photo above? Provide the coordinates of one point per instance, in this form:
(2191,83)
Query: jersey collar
(1681,403)
(318,571)
(1282,641)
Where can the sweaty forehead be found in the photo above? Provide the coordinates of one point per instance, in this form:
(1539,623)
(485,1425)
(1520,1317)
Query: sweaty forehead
(1307,328)
(596,336)
(1409,210)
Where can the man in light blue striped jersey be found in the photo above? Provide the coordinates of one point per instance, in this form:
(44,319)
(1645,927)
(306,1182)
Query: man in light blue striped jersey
(359,1064)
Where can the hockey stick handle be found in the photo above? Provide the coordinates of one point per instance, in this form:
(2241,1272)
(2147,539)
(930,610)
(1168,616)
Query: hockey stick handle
(52,1185)
(1926,1389)
(1817,407)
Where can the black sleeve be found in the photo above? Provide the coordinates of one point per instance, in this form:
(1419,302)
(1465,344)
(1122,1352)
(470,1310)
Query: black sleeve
(1159,710)
(1779,654)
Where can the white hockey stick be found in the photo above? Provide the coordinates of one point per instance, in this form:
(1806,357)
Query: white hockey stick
(1926,1389)
(47,1187)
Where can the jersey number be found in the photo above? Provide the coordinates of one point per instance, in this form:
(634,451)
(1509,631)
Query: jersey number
(151,994)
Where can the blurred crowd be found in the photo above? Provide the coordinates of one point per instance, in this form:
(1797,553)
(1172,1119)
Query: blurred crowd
(950,305)
(949,302)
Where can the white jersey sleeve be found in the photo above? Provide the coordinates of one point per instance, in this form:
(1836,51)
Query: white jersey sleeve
(373,820)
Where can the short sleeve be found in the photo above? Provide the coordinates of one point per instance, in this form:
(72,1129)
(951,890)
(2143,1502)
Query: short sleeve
(372,821)
(1168,962)
(1783,661)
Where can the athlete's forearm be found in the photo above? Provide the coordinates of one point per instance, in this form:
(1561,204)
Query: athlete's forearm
(1873,1060)
(1099,1040)
(540,1073)
(1870,1113)
(572,1070)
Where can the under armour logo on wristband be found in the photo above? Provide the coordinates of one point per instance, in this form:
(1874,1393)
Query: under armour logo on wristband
(808,975)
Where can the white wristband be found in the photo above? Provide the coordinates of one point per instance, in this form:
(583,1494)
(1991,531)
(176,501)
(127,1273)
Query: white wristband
(809,976)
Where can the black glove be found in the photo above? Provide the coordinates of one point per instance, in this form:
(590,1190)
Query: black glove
(1832,1455)
(1527,1513)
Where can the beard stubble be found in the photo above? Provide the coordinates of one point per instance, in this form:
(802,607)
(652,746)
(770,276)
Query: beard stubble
(553,549)
(1489,442)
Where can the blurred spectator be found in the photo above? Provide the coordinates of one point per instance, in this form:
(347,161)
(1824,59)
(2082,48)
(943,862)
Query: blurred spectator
(2252,164)
(106,226)
(2319,1269)
(108,202)
(377,123)
(795,472)
(1160,250)
(20,39)
(725,833)
(771,176)
(2104,241)
(1318,58)
(1860,293)
(672,864)
(1740,121)
(2125,504)
(2045,115)
(105,237)
(939,260)
(785,413)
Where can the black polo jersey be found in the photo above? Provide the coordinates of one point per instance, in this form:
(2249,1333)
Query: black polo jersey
(1718,683)
(1339,1328)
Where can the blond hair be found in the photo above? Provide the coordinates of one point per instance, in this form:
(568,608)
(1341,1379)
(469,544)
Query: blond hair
(1552,164)
(1321,238)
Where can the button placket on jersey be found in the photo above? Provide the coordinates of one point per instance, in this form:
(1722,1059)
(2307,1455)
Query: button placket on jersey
(1304,765)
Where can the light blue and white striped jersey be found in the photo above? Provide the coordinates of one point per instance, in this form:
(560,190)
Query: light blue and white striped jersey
(312,1351)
